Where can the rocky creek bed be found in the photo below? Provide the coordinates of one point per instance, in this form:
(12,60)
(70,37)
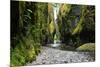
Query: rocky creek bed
(55,56)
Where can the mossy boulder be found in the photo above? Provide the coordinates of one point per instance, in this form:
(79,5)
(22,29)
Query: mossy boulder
(86,47)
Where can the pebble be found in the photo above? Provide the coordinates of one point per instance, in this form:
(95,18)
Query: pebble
(55,56)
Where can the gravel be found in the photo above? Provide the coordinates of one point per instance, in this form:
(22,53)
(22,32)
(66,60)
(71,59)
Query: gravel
(55,56)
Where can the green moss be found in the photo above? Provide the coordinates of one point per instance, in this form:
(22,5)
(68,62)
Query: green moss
(31,55)
(87,47)
(51,27)
(65,8)
(78,28)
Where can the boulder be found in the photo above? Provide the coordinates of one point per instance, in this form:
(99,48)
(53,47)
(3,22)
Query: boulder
(86,47)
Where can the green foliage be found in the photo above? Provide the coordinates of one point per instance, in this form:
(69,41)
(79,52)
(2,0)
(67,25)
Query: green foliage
(64,22)
(50,23)
(77,24)
(36,27)
(17,57)
(89,18)
(32,23)
(86,25)
(24,52)
(86,47)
